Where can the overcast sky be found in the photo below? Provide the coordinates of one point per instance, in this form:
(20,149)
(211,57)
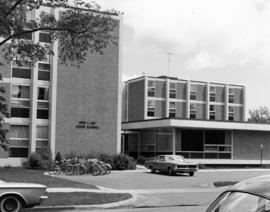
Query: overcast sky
(225,41)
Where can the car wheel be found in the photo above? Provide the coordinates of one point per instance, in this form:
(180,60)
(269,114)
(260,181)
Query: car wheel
(191,174)
(170,171)
(153,170)
(10,203)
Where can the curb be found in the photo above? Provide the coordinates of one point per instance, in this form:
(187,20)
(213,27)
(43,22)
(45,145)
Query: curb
(128,203)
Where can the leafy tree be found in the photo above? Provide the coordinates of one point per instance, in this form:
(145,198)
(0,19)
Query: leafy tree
(81,29)
(259,115)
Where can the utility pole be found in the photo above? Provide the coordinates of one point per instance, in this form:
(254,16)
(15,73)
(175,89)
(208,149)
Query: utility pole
(169,54)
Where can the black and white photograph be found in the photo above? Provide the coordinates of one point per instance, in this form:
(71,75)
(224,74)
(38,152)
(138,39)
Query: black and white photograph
(135,105)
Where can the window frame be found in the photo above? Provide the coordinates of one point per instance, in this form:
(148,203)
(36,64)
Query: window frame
(192,111)
(151,89)
(193,92)
(151,108)
(172,110)
(172,90)
(212,93)
(212,112)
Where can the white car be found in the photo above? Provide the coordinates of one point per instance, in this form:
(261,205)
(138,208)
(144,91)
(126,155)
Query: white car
(15,196)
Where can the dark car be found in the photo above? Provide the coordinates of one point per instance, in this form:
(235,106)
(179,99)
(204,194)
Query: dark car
(172,164)
(252,195)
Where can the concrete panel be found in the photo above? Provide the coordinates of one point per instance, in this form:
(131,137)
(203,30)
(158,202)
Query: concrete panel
(160,91)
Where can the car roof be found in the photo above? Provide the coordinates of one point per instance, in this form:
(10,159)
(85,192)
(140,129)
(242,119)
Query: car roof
(257,185)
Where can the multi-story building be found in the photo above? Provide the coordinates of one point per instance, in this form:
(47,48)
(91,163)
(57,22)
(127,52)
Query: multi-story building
(61,107)
(165,115)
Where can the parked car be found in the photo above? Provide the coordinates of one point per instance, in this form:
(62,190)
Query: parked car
(252,195)
(172,164)
(15,196)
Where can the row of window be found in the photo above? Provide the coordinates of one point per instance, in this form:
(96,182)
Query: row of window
(24,71)
(19,139)
(44,37)
(193,92)
(192,110)
(23,92)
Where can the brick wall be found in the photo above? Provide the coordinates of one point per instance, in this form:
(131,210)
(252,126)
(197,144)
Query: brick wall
(220,115)
(160,91)
(89,93)
(201,93)
(238,96)
(200,111)
(181,91)
(136,100)
(159,108)
(5,68)
(246,145)
(220,94)
(180,109)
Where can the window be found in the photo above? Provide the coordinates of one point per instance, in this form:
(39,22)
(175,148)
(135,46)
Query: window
(151,88)
(212,96)
(212,112)
(192,111)
(44,71)
(42,113)
(21,70)
(193,92)
(26,36)
(231,95)
(19,136)
(20,112)
(44,37)
(43,94)
(172,110)
(20,91)
(42,136)
(231,113)
(172,91)
(151,108)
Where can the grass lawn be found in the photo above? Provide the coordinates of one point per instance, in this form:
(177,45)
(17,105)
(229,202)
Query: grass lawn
(83,198)
(60,199)
(37,176)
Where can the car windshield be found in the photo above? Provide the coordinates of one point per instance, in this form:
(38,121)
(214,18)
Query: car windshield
(239,201)
(176,158)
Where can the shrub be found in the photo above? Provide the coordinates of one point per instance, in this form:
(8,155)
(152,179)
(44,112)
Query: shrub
(42,159)
(58,157)
(141,160)
(121,162)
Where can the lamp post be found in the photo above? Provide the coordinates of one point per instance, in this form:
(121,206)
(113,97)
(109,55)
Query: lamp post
(261,150)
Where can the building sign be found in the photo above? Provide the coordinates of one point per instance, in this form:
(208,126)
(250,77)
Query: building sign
(82,124)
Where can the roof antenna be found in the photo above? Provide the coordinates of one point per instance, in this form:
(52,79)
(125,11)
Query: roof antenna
(169,54)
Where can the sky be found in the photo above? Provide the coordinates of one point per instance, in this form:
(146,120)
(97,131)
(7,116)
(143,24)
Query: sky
(223,41)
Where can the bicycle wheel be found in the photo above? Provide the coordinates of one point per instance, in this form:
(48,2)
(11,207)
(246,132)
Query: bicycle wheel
(95,170)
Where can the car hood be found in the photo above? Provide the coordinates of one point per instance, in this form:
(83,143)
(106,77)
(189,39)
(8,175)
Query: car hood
(186,163)
(20,185)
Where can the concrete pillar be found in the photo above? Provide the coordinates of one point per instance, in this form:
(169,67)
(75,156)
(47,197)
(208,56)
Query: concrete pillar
(173,140)
(167,97)
(207,99)
(226,100)
(187,98)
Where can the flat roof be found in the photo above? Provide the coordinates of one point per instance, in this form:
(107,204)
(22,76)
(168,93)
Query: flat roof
(195,124)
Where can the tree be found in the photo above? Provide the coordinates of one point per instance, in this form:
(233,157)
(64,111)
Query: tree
(81,29)
(259,115)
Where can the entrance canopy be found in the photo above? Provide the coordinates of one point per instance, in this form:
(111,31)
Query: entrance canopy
(188,123)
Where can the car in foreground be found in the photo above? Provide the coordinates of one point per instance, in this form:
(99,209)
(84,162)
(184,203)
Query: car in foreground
(251,195)
(172,164)
(15,196)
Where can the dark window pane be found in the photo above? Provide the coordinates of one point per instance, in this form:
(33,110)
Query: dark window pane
(42,114)
(21,73)
(18,152)
(44,37)
(192,116)
(44,75)
(150,113)
(20,112)
(27,36)
(44,66)
(211,155)
(212,117)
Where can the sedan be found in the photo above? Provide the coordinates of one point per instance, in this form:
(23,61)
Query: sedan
(172,164)
(15,196)
(252,195)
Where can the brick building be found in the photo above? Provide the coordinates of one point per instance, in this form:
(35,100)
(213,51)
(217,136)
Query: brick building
(202,120)
(60,107)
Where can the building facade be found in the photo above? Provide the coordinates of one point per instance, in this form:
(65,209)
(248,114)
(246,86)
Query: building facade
(203,120)
(60,107)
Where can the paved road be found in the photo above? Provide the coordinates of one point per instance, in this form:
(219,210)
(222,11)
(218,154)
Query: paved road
(157,192)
